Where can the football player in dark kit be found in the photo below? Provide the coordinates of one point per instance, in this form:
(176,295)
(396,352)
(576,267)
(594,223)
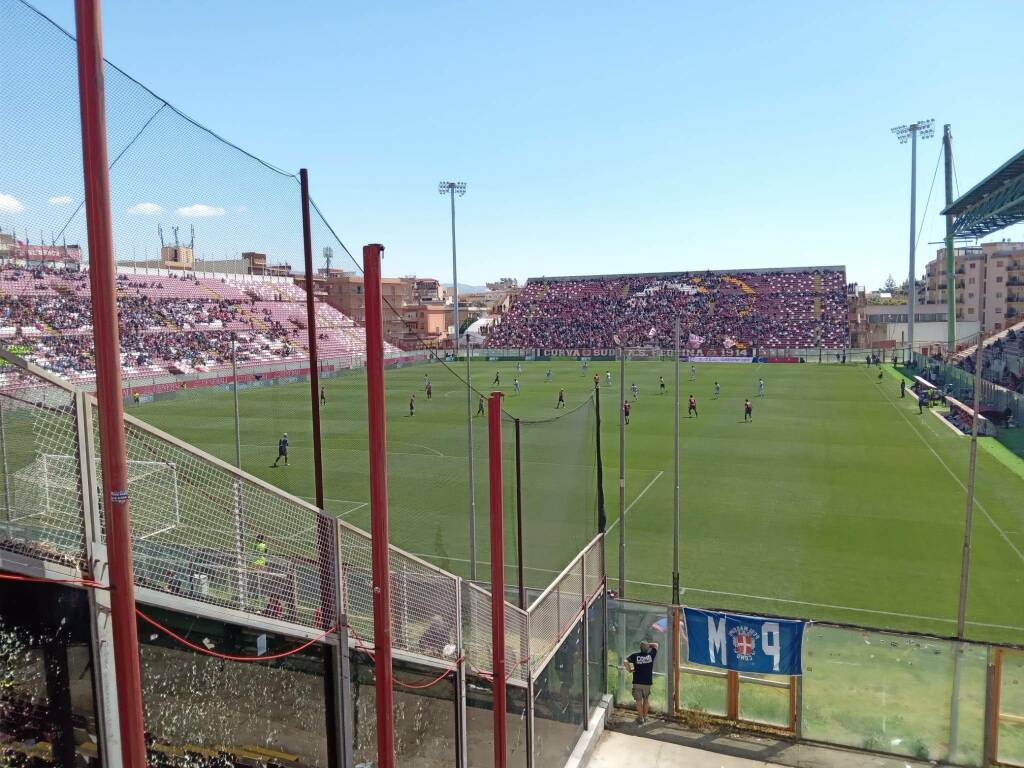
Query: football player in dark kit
(692,408)
(748,410)
(282,450)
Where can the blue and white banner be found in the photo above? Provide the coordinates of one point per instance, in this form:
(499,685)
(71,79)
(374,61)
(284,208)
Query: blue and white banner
(744,643)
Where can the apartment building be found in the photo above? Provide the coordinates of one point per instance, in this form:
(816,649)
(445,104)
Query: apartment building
(988,283)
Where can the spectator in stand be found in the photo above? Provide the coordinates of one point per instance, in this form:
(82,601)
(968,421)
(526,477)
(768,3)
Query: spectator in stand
(175,323)
(773,308)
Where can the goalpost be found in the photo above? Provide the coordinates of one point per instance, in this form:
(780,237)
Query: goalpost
(48,488)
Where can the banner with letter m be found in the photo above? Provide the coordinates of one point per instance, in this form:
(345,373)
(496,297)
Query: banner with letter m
(744,643)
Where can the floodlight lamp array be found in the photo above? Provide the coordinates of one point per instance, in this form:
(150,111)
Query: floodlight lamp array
(447,187)
(924,129)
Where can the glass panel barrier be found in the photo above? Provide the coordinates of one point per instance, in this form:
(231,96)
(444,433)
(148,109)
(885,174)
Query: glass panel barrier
(884,692)
(47,715)
(198,706)
(1011,709)
(969,746)
(425,731)
(629,623)
(703,693)
(764,699)
(701,690)
(559,708)
(480,724)
(597,653)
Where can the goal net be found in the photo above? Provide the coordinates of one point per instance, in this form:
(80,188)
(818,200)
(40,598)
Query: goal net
(50,483)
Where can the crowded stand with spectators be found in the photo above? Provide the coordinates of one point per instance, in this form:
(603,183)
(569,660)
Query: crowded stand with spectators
(169,323)
(772,308)
(1003,359)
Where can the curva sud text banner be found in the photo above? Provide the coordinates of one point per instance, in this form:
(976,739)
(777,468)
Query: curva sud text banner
(744,643)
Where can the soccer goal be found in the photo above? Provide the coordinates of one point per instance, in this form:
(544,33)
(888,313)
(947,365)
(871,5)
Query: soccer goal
(48,489)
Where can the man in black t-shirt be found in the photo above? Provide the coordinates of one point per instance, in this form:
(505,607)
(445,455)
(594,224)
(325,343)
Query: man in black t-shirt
(641,666)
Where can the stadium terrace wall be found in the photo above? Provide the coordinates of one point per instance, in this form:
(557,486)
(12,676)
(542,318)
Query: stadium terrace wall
(287,372)
(626,275)
(128,268)
(767,354)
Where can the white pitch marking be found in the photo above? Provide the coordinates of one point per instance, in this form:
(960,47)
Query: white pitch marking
(977,501)
(755,597)
(418,445)
(354,509)
(634,501)
(823,605)
(329,448)
(480,562)
(359,504)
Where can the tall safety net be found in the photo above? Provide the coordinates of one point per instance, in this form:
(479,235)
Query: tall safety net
(206,236)
(216,341)
(436,413)
(218,351)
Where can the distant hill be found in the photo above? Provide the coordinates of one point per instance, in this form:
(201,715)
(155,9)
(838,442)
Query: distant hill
(466,288)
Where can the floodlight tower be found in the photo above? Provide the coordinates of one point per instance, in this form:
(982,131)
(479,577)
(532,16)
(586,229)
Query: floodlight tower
(925,129)
(453,188)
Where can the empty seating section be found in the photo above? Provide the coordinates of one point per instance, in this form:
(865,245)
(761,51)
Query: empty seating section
(785,308)
(169,324)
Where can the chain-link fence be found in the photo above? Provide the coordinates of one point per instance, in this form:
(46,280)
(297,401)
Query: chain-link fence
(217,353)
(436,405)
(560,606)
(41,472)
(217,342)
(203,530)
(212,541)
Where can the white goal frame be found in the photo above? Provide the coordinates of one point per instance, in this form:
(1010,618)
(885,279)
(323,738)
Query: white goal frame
(53,471)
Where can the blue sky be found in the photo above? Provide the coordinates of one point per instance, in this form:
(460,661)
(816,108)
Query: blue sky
(595,137)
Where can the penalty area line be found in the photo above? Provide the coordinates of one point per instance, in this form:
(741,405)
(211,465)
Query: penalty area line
(358,504)
(511,564)
(634,501)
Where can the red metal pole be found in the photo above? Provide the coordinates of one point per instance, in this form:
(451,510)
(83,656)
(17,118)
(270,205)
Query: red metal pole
(379,503)
(519,521)
(103,285)
(497,577)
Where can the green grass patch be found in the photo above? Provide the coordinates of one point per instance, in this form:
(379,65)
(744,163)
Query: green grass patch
(837,502)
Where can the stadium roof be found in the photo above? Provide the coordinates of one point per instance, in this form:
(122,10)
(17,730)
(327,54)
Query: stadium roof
(993,204)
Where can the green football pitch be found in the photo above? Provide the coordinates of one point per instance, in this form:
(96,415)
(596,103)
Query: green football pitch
(838,501)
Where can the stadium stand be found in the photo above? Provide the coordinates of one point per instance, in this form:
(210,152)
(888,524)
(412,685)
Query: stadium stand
(1003,358)
(772,308)
(175,324)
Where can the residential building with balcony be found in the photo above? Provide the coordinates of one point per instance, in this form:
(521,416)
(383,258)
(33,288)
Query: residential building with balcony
(988,284)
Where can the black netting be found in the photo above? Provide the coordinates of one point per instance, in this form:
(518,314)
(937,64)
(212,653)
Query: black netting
(432,418)
(208,242)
